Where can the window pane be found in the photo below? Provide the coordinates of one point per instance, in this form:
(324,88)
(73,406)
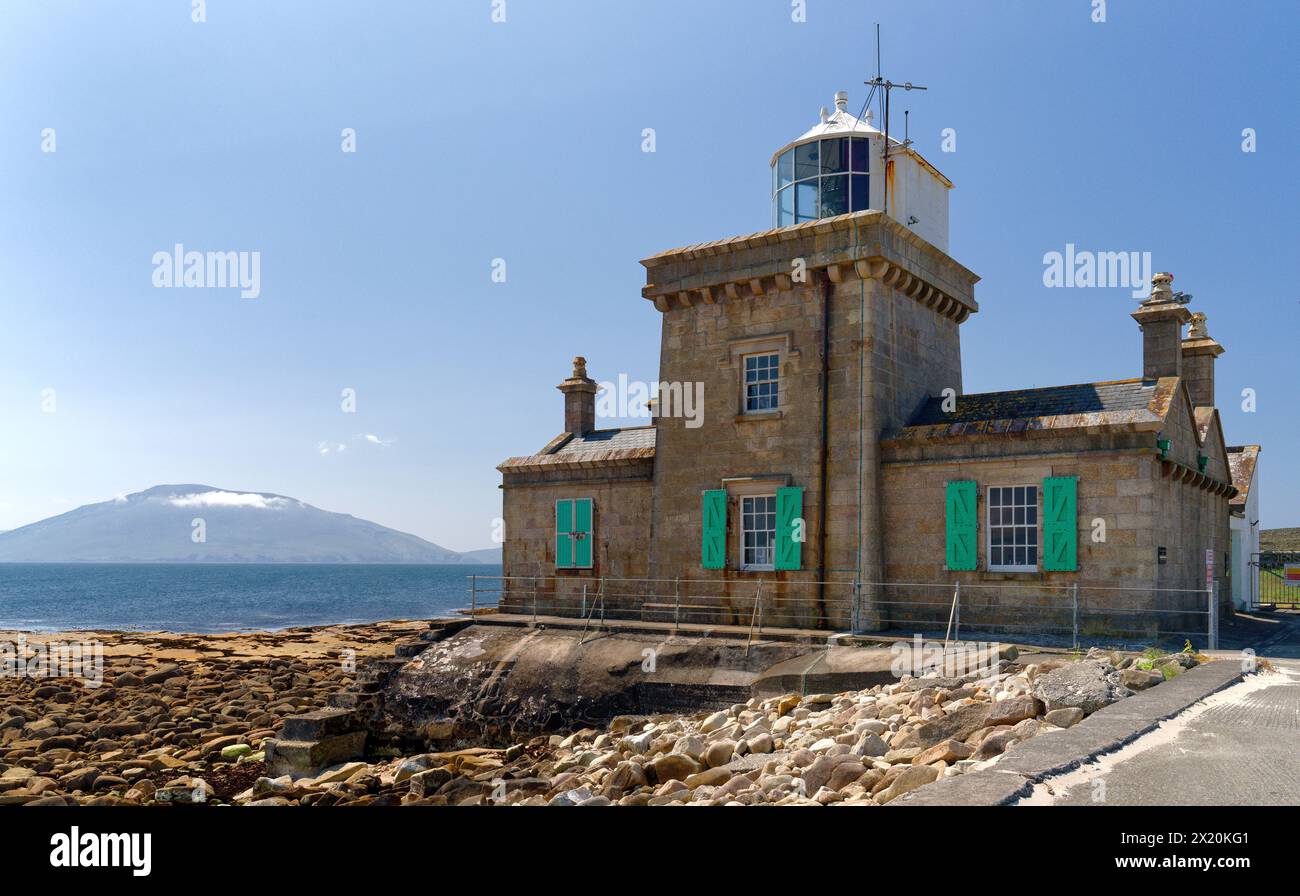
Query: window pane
(762,373)
(835,197)
(806,161)
(805,208)
(785,168)
(859,153)
(835,156)
(861,194)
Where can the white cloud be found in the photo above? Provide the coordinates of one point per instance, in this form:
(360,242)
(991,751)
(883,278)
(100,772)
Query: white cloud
(375,440)
(326,447)
(228,499)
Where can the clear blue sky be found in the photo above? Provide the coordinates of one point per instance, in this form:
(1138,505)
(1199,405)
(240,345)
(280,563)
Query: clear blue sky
(522,141)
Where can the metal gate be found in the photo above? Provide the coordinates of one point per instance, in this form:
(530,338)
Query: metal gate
(1275,579)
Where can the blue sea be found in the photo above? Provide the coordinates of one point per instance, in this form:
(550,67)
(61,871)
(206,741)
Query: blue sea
(225,597)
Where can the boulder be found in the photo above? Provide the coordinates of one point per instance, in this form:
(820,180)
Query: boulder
(1082,685)
(1013,710)
(913,777)
(714,777)
(719,753)
(995,745)
(945,751)
(845,774)
(1065,717)
(672,767)
(959,724)
(713,722)
(870,746)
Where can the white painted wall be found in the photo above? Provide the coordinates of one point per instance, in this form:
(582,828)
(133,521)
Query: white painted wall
(1245,543)
(917,193)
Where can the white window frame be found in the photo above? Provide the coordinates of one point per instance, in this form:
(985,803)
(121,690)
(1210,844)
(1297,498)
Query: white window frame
(744,381)
(743,528)
(989,526)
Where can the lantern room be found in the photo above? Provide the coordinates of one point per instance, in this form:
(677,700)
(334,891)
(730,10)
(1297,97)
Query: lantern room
(839,167)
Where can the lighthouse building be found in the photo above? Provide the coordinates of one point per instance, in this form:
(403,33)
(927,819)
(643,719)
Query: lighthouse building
(838,460)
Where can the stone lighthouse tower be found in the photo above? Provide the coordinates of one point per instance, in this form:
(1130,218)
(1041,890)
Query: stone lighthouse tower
(812,340)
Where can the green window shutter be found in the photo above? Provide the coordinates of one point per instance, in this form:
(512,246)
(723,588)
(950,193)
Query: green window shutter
(961,526)
(789,510)
(713,553)
(1060,524)
(584,543)
(564,534)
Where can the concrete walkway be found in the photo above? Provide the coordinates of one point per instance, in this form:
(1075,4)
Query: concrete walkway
(1241,747)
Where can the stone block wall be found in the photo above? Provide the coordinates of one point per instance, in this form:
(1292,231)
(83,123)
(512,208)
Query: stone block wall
(621,501)
(1117,484)
(888,350)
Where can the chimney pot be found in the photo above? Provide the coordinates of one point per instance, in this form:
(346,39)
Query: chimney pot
(579,399)
(1199,352)
(841,100)
(1161,318)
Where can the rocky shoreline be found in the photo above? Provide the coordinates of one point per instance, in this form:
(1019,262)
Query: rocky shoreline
(184,719)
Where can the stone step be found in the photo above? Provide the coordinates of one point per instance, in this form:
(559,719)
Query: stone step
(362,704)
(410,648)
(445,628)
(318,723)
(306,757)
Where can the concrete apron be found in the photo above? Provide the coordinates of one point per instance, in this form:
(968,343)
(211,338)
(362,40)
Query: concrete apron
(1013,777)
(534,677)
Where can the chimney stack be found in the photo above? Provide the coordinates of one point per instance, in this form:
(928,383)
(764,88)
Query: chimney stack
(1199,352)
(1161,317)
(579,400)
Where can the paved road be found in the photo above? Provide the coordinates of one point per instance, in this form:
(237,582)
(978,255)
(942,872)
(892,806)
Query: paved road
(1242,747)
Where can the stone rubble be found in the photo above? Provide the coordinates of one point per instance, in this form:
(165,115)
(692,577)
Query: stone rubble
(195,736)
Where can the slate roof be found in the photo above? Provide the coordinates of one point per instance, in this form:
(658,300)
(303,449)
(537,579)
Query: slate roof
(603,439)
(1242,460)
(598,448)
(1135,403)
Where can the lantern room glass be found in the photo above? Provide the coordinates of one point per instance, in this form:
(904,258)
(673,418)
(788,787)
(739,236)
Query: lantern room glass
(820,179)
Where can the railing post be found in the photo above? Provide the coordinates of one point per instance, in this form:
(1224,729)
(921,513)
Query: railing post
(1074,625)
(677,604)
(534,600)
(952,614)
(584,600)
(1212,594)
(755,616)
(956,632)
(857,606)
(473,595)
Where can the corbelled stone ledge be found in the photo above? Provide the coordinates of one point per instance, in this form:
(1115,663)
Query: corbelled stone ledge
(863,245)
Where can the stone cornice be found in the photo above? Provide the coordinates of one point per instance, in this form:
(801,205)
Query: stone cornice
(1204,346)
(865,245)
(1196,479)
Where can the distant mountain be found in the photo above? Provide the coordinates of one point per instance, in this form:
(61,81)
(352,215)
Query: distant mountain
(487,555)
(159,525)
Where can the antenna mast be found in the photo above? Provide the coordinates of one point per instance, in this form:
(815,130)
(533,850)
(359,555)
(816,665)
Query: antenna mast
(881,83)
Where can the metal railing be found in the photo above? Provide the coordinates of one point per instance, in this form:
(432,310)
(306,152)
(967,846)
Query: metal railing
(1268,583)
(1062,615)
